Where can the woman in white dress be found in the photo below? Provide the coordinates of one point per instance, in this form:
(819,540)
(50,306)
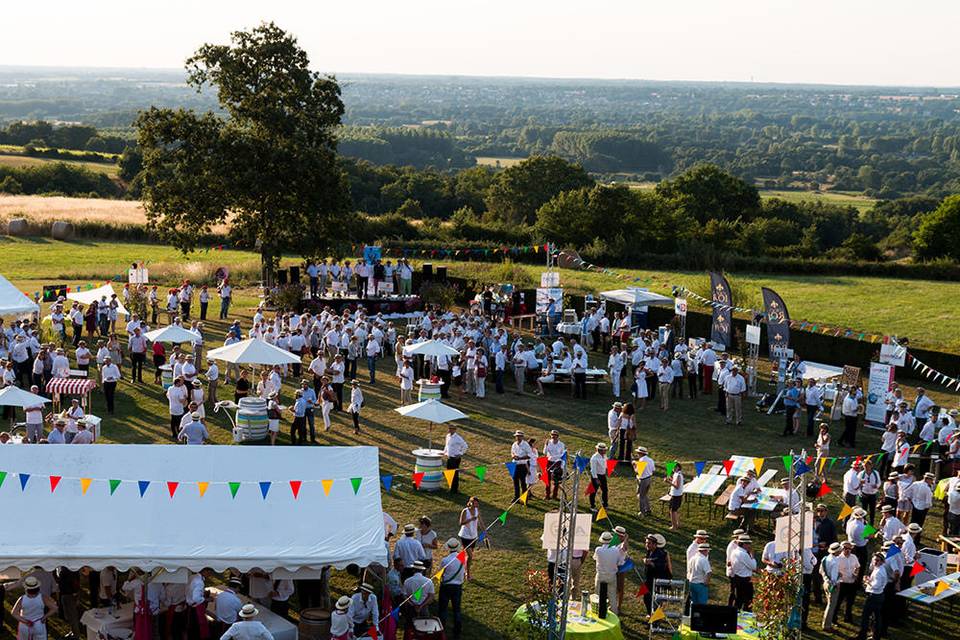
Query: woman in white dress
(274,411)
(471,524)
(32,610)
(356,403)
(547,377)
(639,388)
(196,395)
(533,469)
(615,365)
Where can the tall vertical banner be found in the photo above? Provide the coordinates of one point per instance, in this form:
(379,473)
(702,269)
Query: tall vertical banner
(720,293)
(778,321)
(878,384)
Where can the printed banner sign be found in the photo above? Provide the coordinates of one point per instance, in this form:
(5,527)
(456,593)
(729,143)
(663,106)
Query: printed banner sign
(680,306)
(878,384)
(753,334)
(550,279)
(384,287)
(788,525)
(778,321)
(892,353)
(139,275)
(371,254)
(543,298)
(720,330)
(851,376)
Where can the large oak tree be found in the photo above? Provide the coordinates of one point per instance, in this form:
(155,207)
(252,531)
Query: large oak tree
(267,163)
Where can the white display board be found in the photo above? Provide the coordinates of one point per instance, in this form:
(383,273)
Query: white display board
(753,334)
(581,534)
(878,384)
(680,306)
(550,279)
(138,276)
(893,354)
(786,525)
(338,286)
(384,287)
(543,298)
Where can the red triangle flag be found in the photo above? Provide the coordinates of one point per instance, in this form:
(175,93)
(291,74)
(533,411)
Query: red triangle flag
(462,557)
(728,466)
(417,479)
(611,465)
(809,460)
(916,569)
(172,487)
(295,488)
(372,632)
(642,591)
(542,463)
(54,481)
(824,490)
(590,489)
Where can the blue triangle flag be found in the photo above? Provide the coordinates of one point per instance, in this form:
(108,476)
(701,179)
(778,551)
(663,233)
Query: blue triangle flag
(892,551)
(581,463)
(800,468)
(481,537)
(564,457)
(396,614)
(511,467)
(143,484)
(387,482)
(264,488)
(699,466)
(626,566)
(24,477)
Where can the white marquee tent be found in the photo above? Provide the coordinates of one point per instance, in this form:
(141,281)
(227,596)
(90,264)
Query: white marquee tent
(13,302)
(636,297)
(175,521)
(253,351)
(86,297)
(172,333)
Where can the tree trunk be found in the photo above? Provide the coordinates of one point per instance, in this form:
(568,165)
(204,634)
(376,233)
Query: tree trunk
(268,266)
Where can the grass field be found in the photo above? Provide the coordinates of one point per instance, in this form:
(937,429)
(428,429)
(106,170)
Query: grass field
(16,160)
(498,163)
(64,208)
(842,198)
(689,431)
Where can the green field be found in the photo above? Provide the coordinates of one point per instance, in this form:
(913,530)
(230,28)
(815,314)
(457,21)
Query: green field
(10,158)
(841,198)
(690,431)
(498,162)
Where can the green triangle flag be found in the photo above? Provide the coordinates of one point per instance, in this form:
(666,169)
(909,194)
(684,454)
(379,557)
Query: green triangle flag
(418,594)
(929,442)
(113,486)
(3,476)
(356,484)
(787,462)
(502,518)
(614,541)
(481,472)
(670,467)
(234,487)
(868,530)
(880,457)
(833,461)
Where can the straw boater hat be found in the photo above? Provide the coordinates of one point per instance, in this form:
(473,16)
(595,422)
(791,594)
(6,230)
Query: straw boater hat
(518,433)
(31,583)
(884,509)
(620,531)
(848,544)
(642,449)
(737,533)
(195,415)
(366,588)
(418,566)
(744,539)
(554,433)
(913,527)
(606,536)
(601,446)
(409,529)
(617,405)
(893,475)
(248,611)
(860,514)
(343,603)
(661,541)
(453,544)
(835,548)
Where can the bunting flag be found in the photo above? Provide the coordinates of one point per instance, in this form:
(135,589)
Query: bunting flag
(942,586)
(892,551)
(698,466)
(868,530)
(113,485)
(640,466)
(172,488)
(502,518)
(449,474)
(657,615)
(580,463)
(387,482)
(24,478)
(787,462)
(671,466)
(728,466)
(845,511)
(327,485)
(642,591)
(54,481)
(84,485)
(234,487)
(418,594)
(3,476)
(483,535)
(295,488)
(824,490)
(481,472)
(524,496)
(934,375)
(202,487)
(264,489)
(143,485)
(356,484)
(542,463)
(917,569)
(372,632)
(417,479)
(615,540)
(758,465)
(823,461)
(511,468)
(611,466)
(590,490)
(626,567)
(462,556)
(601,514)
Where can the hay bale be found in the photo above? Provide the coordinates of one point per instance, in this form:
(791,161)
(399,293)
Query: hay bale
(62,230)
(17,227)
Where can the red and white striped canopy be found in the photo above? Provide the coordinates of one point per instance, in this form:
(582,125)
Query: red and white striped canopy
(71,386)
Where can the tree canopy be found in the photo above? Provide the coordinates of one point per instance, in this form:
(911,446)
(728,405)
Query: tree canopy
(938,232)
(520,190)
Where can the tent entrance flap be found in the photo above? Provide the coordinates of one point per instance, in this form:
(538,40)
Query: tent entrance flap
(175,507)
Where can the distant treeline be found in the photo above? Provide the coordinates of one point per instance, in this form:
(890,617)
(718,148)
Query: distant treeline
(77,137)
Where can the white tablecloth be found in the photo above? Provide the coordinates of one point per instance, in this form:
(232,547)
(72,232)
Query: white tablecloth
(279,628)
(96,619)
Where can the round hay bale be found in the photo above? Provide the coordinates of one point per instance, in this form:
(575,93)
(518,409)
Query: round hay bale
(62,230)
(17,227)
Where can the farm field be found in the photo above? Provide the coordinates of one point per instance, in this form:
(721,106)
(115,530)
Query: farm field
(16,160)
(842,198)
(498,162)
(690,431)
(72,209)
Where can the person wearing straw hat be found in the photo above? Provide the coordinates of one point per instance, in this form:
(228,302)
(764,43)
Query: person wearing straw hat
(356,403)
(644,467)
(890,525)
(921,498)
(875,584)
(418,592)
(407,552)
(700,537)
(743,564)
(521,454)
(451,586)
(194,432)
(247,628)
(598,476)
(364,611)
(84,435)
(454,447)
(848,571)
(829,571)
(227,604)
(31,611)
(731,546)
(608,559)
(698,574)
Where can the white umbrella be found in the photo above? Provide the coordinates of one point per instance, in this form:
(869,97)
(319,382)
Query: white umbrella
(16,397)
(433,411)
(172,333)
(253,351)
(430,348)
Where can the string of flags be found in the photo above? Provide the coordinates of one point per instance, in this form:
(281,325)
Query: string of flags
(933,374)
(712,303)
(449,253)
(586,266)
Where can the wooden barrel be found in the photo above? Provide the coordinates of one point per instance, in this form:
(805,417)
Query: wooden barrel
(428,390)
(314,624)
(166,376)
(252,419)
(430,463)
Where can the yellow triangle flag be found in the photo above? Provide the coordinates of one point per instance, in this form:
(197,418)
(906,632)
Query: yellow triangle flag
(823,461)
(438,574)
(84,485)
(327,484)
(449,475)
(942,586)
(657,615)
(640,466)
(601,514)
(868,458)
(523,497)
(202,487)
(916,447)
(758,464)
(845,511)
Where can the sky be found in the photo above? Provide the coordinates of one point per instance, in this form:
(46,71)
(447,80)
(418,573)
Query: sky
(886,42)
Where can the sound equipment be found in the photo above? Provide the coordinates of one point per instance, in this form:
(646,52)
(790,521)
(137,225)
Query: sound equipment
(282,276)
(294,274)
(713,618)
(442,273)
(427,271)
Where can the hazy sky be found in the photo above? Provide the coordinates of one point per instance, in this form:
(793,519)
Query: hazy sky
(821,41)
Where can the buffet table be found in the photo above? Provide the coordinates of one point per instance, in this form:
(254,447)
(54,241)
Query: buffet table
(579,627)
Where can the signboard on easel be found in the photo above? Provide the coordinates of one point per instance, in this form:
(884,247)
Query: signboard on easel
(850,376)
(878,384)
(550,279)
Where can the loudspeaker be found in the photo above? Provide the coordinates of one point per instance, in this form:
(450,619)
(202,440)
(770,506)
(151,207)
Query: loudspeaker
(294,274)
(517,300)
(442,273)
(282,276)
(427,271)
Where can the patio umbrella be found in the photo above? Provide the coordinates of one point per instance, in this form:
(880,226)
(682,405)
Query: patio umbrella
(16,397)
(430,348)
(253,351)
(172,333)
(432,411)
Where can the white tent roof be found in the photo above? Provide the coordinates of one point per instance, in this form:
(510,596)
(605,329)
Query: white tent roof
(337,527)
(821,372)
(172,333)
(86,297)
(432,411)
(635,297)
(12,300)
(430,348)
(253,351)
(17,397)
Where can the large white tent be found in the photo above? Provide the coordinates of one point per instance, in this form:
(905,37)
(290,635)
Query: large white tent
(13,302)
(174,507)
(86,297)
(635,297)
(173,333)
(253,351)
(430,348)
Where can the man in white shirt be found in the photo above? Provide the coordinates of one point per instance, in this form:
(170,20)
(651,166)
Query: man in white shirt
(416,584)
(138,355)
(852,484)
(34,418)
(556,452)
(520,453)
(110,374)
(598,476)
(406,382)
(708,358)
(57,435)
(698,574)
(644,466)
(177,397)
(830,572)
(735,387)
(407,552)
(874,585)
(453,448)
(364,611)
(608,559)
(922,406)
(851,411)
(451,586)
(227,605)
(665,377)
(247,628)
(742,566)
(921,498)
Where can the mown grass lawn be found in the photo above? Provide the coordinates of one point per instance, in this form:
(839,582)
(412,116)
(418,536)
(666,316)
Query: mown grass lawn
(691,430)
